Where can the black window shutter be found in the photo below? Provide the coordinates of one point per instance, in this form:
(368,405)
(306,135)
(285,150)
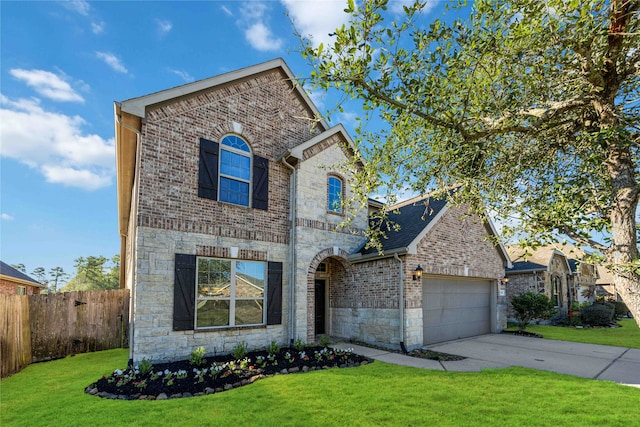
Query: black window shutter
(274,294)
(260,183)
(208,170)
(184,292)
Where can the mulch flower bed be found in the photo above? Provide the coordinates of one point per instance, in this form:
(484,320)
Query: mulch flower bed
(523,334)
(209,375)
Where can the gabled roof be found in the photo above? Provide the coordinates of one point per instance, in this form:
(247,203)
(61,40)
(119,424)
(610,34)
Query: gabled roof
(416,217)
(137,106)
(17,276)
(297,153)
(538,260)
(522,266)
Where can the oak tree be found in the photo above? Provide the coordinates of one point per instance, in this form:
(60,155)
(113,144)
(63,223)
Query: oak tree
(532,108)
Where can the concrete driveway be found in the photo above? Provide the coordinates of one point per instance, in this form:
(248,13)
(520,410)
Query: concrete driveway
(600,362)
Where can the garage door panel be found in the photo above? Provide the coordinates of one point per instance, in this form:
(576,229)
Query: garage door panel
(455,309)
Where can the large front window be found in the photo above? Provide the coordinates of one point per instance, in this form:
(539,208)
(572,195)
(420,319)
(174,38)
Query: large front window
(235,170)
(229,293)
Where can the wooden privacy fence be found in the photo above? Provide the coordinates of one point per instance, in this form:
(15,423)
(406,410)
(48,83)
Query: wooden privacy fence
(43,327)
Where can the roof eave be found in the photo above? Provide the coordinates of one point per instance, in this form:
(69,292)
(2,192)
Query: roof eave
(138,106)
(357,257)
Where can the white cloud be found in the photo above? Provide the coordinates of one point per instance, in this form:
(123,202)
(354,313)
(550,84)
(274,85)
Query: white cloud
(261,38)
(226,10)
(80,6)
(6,217)
(182,74)
(317,19)
(97,27)
(257,32)
(47,84)
(112,61)
(72,177)
(55,145)
(164,26)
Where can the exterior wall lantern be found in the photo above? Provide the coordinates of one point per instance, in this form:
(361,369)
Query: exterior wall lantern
(417,273)
(505,280)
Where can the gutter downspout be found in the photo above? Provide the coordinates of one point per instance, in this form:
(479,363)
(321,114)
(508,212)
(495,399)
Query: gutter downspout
(401,302)
(132,296)
(292,251)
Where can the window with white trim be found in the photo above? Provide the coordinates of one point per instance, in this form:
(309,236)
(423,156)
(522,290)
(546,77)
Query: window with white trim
(229,293)
(334,194)
(22,290)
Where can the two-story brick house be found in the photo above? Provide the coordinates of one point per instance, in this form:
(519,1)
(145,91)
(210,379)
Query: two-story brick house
(230,196)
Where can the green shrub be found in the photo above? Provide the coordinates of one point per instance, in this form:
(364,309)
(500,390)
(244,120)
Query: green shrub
(274,348)
(145,366)
(240,350)
(325,341)
(529,306)
(621,309)
(197,356)
(598,315)
(299,345)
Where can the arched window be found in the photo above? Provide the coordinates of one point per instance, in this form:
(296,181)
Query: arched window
(228,172)
(334,194)
(235,170)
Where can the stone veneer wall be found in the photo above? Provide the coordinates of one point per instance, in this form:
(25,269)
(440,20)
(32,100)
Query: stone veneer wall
(318,231)
(368,310)
(153,334)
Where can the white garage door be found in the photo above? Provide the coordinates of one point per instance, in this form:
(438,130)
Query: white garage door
(455,309)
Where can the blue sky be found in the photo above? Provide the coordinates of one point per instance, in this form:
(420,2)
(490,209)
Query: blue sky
(63,65)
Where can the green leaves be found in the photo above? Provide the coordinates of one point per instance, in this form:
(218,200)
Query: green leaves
(515,101)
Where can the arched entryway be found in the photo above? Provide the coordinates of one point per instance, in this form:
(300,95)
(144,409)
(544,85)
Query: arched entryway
(328,278)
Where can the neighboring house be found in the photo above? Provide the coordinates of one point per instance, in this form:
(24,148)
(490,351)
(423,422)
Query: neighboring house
(583,279)
(543,270)
(605,286)
(231,193)
(15,282)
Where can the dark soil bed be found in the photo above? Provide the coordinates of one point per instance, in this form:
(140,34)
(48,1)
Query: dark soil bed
(523,334)
(421,353)
(435,355)
(216,374)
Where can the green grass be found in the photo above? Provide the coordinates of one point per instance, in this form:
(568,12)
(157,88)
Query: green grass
(626,336)
(52,394)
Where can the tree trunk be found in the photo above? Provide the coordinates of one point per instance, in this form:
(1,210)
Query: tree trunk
(624,244)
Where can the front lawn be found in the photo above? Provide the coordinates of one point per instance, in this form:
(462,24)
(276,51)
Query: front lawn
(626,336)
(52,394)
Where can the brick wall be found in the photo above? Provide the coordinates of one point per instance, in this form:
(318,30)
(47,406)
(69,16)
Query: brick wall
(264,112)
(11,288)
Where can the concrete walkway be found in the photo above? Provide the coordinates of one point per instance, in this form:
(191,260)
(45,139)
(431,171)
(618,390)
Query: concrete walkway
(618,364)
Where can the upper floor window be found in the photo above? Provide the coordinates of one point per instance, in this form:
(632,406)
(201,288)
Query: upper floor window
(334,192)
(228,172)
(235,170)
